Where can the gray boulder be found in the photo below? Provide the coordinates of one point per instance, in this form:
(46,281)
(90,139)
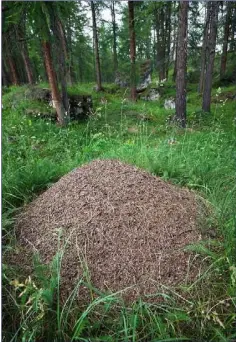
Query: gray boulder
(169,103)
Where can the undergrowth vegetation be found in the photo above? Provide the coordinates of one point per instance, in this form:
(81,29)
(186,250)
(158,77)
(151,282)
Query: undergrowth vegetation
(36,153)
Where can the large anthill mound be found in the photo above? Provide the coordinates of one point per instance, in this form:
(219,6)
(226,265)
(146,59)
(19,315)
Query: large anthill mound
(127,226)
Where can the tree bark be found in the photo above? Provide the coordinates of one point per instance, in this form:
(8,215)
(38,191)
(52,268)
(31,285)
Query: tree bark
(10,61)
(20,33)
(154,46)
(5,75)
(56,98)
(181,63)
(226,38)
(26,59)
(175,66)
(161,46)
(132,52)
(175,45)
(62,57)
(157,29)
(204,46)
(61,33)
(12,66)
(233,28)
(70,54)
(210,55)
(96,48)
(115,59)
(168,29)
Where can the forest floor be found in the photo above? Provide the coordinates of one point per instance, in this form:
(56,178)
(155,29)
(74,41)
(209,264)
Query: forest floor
(36,153)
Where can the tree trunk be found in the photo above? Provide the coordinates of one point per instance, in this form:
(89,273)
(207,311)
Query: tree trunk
(20,33)
(64,48)
(168,30)
(233,28)
(53,83)
(148,48)
(115,59)
(175,66)
(11,63)
(175,46)
(132,52)
(210,55)
(5,75)
(27,63)
(225,42)
(180,103)
(71,70)
(161,48)
(97,59)
(154,46)
(204,46)
(62,57)
(157,29)
(12,66)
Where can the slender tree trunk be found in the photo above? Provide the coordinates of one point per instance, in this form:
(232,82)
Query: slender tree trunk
(20,33)
(45,74)
(27,63)
(64,48)
(225,42)
(62,57)
(161,47)
(148,48)
(173,30)
(159,56)
(12,66)
(132,51)
(168,29)
(175,45)
(233,28)
(175,66)
(204,46)
(154,46)
(97,59)
(81,74)
(210,56)
(115,59)
(71,70)
(5,75)
(53,83)
(180,102)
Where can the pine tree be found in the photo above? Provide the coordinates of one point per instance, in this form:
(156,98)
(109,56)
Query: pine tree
(181,63)
(43,9)
(132,51)
(210,54)
(21,35)
(226,39)
(96,49)
(114,31)
(204,47)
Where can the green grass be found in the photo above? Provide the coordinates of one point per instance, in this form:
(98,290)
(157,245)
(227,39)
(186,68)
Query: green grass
(36,153)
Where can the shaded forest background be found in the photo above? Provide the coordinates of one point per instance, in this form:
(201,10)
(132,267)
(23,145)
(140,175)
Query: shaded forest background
(81,44)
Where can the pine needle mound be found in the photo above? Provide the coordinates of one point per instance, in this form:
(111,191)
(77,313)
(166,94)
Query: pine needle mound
(123,228)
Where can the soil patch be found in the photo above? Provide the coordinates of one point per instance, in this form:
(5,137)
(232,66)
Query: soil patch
(127,226)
